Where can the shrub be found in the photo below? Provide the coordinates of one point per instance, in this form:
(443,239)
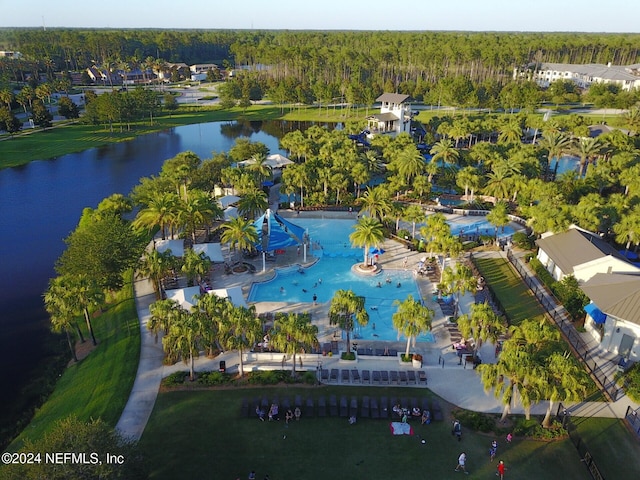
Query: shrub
(406,358)
(348,356)
(482,422)
(174,379)
(309,378)
(522,240)
(632,382)
(404,234)
(213,378)
(532,428)
(265,377)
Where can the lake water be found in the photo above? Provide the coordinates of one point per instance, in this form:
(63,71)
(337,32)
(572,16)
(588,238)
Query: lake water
(41,203)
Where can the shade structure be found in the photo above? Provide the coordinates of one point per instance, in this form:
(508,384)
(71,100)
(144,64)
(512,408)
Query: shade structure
(233,294)
(595,313)
(211,250)
(376,251)
(228,200)
(176,247)
(274,232)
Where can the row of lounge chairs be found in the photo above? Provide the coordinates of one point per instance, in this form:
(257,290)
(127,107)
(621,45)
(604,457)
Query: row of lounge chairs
(378,352)
(375,377)
(364,407)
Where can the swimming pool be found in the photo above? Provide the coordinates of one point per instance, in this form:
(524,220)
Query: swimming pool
(332,272)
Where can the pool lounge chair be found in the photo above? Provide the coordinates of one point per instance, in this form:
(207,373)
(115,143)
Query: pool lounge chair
(411,376)
(375,410)
(384,377)
(298,401)
(244,408)
(334,375)
(355,376)
(308,407)
(436,411)
(324,375)
(366,377)
(353,407)
(344,409)
(364,410)
(422,376)
(384,407)
(403,377)
(322,407)
(344,376)
(333,406)
(375,377)
(394,376)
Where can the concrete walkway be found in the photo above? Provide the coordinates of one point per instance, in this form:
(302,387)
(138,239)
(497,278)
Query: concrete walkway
(457,384)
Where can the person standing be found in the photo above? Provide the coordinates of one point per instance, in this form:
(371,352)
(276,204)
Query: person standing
(462,460)
(315,299)
(501,470)
(493,450)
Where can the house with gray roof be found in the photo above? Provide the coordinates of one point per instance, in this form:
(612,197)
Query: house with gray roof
(613,316)
(394,116)
(544,74)
(582,254)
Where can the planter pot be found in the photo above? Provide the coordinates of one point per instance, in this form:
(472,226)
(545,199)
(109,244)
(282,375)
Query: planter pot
(416,363)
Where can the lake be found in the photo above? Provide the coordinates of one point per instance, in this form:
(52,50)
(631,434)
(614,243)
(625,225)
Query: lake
(41,203)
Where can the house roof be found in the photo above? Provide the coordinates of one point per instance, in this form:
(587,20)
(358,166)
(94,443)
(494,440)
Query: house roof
(392,98)
(615,294)
(384,117)
(575,247)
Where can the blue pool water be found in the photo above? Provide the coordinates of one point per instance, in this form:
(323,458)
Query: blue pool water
(332,272)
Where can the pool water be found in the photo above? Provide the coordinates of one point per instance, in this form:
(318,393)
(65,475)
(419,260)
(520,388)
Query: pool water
(332,272)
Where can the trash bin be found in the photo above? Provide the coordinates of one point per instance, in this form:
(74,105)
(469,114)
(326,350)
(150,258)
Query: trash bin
(223,366)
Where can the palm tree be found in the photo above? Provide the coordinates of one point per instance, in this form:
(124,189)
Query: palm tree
(411,319)
(161,210)
(195,265)
(587,149)
(163,314)
(347,309)
(368,233)
(244,330)
(510,132)
(196,211)
(60,309)
(482,324)
(376,202)
(515,373)
(87,292)
(628,229)
(411,163)
(215,311)
(183,340)
(259,168)
(296,175)
(293,333)
(468,179)
(457,281)
(556,143)
(444,150)
(253,203)
(156,265)
(561,379)
(498,216)
(239,233)
(414,214)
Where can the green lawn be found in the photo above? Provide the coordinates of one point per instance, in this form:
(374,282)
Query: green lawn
(99,385)
(517,300)
(200,434)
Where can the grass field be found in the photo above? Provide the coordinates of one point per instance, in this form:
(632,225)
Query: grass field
(517,300)
(200,434)
(99,385)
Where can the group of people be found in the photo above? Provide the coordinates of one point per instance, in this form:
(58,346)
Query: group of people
(274,413)
(290,415)
(500,469)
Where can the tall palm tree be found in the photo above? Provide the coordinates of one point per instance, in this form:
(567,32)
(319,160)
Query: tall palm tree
(499,216)
(413,214)
(184,339)
(197,211)
(556,143)
(215,311)
(156,265)
(514,376)
(259,168)
(587,149)
(444,150)
(411,163)
(253,203)
(163,314)
(296,175)
(482,324)
(627,230)
(60,310)
(87,293)
(411,319)
(243,331)
(510,132)
(368,233)
(161,210)
(376,202)
(293,333)
(457,281)
(346,310)
(240,234)
(469,179)
(561,379)
(195,265)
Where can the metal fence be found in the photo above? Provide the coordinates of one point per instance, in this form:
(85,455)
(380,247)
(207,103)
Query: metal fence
(561,318)
(563,416)
(633,422)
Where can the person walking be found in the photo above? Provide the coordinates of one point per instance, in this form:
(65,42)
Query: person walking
(493,450)
(501,470)
(462,459)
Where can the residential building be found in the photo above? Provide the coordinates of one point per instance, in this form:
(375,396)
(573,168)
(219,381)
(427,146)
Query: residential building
(544,74)
(394,116)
